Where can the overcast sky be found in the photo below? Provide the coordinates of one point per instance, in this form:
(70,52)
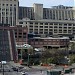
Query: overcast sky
(47,3)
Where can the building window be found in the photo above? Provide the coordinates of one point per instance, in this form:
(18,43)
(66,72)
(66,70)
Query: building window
(36,26)
(50,26)
(26,22)
(65,24)
(31,22)
(46,23)
(51,23)
(10,9)
(46,26)
(10,4)
(73,24)
(41,23)
(40,32)
(31,26)
(3,4)
(36,23)
(20,22)
(6,4)
(41,26)
(55,23)
(69,24)
(14,4)
(55,26)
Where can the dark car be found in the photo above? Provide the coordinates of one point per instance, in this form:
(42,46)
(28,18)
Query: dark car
(15,69)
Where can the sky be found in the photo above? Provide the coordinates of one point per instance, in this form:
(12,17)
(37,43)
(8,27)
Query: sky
(47,3)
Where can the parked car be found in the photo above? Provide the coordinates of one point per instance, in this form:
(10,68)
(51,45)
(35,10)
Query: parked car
(24,73)
(15,69)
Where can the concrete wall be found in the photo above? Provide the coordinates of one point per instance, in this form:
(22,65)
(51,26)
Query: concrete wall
(38,11)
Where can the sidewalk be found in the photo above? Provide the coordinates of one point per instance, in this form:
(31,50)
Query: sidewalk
(14,64)
(1,74)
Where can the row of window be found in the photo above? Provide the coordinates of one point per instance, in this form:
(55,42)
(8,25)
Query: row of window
(8,9)
(46,30)
(9,0)
(31,24)
(53,14)
(55,40)
(8,4)
(54,43)
(7,13)
(50,27)
(51,31)
(57,14)
(48,23)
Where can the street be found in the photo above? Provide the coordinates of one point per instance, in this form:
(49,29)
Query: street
(8,70)
(30,71)
(16,69)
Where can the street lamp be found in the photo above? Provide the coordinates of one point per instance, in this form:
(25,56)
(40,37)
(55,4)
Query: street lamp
(21,52)
(28,58)
(28,47)
(68,59)
(3,63)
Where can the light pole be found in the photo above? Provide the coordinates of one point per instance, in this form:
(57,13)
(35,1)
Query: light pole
(21,52)
(3,69)
(3,63)
(28,47)
(28,58)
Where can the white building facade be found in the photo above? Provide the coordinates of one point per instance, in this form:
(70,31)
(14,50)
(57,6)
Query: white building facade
(56,20)
(50,26)
(9,12)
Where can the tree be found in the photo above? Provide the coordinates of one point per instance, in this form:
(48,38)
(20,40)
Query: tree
(52,55)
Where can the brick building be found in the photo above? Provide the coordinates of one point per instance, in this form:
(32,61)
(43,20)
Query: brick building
(49,42)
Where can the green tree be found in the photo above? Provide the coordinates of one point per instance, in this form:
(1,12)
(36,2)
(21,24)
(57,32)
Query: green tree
(52,55)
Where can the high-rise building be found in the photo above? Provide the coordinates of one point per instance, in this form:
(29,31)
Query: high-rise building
(7,43)
(37,12)
(55,20)
(9,12)
(9,38)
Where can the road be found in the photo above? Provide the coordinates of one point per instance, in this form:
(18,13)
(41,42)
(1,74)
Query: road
(9,71)
(35,70)
(31,71)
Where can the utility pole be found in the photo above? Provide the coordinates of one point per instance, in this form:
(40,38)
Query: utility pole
(3,63)
(3,69)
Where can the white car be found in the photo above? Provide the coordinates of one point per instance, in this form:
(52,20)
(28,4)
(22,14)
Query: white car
(24,73)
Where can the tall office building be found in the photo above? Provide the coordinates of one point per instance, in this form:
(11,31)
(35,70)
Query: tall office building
(9,38)
(55,20)
(9,12)
(37,12)
(74,12)
(7,43)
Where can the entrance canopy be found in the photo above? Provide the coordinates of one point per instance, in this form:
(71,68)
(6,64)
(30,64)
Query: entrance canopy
(25,46)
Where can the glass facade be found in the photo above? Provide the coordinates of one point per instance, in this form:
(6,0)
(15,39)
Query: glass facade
(4,46)
(7,43)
